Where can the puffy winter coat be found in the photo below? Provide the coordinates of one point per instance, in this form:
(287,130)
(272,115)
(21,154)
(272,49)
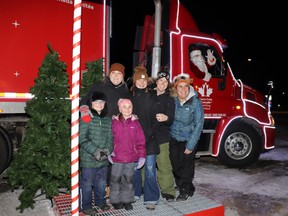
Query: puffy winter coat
(129,139)
(97,134)
(188,121)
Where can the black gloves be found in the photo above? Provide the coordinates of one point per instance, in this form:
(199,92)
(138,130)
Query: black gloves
(101,154)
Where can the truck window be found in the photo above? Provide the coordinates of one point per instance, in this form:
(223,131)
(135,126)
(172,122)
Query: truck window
(205,58)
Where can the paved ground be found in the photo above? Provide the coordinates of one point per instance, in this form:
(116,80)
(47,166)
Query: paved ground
(258,190)
(9,201)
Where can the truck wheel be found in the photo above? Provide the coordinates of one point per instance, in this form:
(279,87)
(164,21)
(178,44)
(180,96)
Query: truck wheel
(6,151)
(240,146)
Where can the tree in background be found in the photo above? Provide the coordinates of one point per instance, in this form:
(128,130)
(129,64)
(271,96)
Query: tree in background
(42,163)
(94,73)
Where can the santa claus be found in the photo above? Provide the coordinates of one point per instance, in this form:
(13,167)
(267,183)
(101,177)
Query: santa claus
(199,66)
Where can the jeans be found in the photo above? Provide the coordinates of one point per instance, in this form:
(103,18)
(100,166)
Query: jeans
(92,179)
(151,188)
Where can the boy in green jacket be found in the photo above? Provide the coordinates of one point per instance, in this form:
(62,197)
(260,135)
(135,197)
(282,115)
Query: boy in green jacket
(95,145)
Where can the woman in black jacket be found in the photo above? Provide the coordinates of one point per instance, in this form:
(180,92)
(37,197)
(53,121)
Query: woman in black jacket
(144,104)
(165,118)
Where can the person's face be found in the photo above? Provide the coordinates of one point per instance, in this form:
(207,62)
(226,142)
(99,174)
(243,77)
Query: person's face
(126,110)
(197,58)
(141,83)
(116,77)
(182,90)
(98,105)
(162,84)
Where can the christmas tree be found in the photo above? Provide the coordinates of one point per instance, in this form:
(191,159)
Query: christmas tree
(42,163)
(94,73)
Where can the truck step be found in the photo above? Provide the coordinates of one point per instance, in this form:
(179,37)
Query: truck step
(211,131)
(197,205)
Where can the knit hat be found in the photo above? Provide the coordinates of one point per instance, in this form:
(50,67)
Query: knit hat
(140,72)
(162,74)
(122,102)
(182,78)
(117,67)
(98,96)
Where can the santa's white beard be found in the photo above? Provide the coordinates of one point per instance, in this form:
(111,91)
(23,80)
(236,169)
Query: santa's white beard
(200,63)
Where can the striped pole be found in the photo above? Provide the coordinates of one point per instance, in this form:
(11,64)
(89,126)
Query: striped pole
(75,109)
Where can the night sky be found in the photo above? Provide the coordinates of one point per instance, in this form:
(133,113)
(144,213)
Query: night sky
(251,31)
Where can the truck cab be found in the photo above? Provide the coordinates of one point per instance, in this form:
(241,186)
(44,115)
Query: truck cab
(238,122)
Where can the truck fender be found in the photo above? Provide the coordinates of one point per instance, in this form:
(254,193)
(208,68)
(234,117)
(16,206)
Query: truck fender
(219,131)
(239,141)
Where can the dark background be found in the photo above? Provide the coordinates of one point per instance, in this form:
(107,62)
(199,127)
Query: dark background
(252,32)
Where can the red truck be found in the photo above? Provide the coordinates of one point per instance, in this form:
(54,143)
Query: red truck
(238,122)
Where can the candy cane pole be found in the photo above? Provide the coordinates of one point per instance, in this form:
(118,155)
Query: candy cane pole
(75,108)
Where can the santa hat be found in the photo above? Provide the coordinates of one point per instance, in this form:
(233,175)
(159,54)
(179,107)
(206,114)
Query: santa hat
(182,78)
(117,67)
(140,72)
(195,53)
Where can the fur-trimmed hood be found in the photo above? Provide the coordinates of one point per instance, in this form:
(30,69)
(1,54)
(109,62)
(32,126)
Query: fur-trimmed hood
(119,117)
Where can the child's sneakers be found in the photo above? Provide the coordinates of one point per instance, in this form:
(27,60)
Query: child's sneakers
(128,206)
(150,206)
(91,211)
(104,207)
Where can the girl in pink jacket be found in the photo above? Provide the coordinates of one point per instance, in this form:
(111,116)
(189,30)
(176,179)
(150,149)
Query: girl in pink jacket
(129,148)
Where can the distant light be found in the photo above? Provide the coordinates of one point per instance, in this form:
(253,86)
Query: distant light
(249,59)
(283,93)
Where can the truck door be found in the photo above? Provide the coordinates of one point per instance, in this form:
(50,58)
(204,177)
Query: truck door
(203,60)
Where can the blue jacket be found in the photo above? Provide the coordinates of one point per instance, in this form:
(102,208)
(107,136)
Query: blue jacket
(188,121)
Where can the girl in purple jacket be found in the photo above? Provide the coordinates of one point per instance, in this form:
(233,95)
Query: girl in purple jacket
(129,147)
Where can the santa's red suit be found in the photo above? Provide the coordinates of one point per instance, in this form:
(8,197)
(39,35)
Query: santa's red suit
(199,66)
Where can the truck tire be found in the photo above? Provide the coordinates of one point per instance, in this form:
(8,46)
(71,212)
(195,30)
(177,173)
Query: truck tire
(240,146)
(6,151)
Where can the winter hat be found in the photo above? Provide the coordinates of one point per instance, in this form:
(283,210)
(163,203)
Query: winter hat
(122,102)
(162,74)
(117,67)
(98,96)
(195,53)
(140,72)
(182,78)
